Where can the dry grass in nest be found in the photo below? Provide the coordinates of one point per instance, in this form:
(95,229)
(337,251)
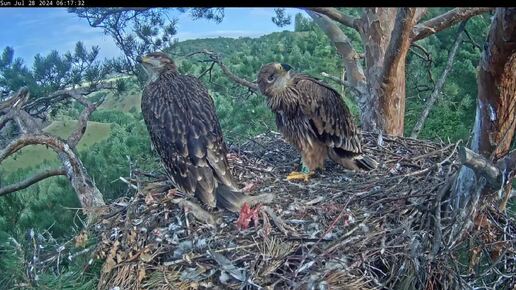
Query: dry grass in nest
(389,228)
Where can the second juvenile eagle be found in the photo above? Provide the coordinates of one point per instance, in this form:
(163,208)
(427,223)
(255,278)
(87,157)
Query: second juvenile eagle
(185,131)
(313,117)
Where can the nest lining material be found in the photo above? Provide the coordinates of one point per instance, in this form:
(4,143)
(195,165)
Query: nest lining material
(341,230)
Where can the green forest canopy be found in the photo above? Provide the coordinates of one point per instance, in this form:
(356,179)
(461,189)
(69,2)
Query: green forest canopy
(123,138)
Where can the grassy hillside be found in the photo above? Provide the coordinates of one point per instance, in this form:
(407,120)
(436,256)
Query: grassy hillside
(36,154)
(124,102)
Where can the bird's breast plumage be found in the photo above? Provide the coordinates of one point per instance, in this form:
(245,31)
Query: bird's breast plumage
(183,126)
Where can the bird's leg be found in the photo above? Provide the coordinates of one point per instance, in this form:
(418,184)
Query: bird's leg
(305,173)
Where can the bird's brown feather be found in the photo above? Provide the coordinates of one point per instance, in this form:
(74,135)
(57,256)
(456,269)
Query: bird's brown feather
(330,118)
(183,126)
(313,117)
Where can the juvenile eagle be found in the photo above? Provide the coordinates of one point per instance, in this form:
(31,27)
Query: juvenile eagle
(313,118)
(185,131)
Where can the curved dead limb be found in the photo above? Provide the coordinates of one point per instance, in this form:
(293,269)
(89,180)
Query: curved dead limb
(31,180)
(494,173)
(336,15)
(40,105)
(77,134)
(88,194)
(350,57)
(215,58)
(440,83)
(444,21)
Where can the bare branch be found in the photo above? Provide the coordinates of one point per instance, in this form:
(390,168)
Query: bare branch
(444,21)
(440,83)
(77,134)
(32,180)
(339,81)
(31,139)
(17,100)
(336,15)
(472,40)
(6,118)
(41,104)
(88,194)
(427,58)
(400,41)
(483,167)
(349,56)
(216,59)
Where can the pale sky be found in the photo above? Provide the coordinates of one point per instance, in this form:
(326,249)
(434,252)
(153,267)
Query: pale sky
(40,30)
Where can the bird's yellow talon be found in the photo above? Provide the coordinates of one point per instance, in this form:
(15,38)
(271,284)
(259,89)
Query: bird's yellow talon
(299,176)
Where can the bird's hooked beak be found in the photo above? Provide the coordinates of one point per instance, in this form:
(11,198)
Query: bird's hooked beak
(286,67)
(140,59)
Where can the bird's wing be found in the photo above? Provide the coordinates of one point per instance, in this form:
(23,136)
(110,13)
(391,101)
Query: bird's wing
(185,131)
(328,115)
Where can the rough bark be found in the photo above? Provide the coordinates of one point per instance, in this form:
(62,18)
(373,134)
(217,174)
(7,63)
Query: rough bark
(444,21)
(495,118)
(494,173)
(336,15)
(376,29)
(440,83)
(392,100)
(88,194)
(350,58)
(386,36)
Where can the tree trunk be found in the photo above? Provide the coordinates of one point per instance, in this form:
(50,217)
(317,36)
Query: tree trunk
(495,119)
(386,36)
(385,67)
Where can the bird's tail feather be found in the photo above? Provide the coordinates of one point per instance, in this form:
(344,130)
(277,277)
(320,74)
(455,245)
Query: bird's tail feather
(233,200)
(365,162)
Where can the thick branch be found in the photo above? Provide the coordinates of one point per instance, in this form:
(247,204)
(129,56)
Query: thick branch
(236,79)
(444,21)
(336,15)
(32,139)
(17,100)
(483,167)
(495,119)
(88,194)
(61,95)
(77,134)
(440,83)
(31,180)
(350,58)
(6,118)
(400,41)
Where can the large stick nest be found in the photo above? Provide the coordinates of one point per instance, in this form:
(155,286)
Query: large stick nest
(389,228)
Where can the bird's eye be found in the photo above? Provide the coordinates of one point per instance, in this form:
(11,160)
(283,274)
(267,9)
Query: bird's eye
(270,78)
